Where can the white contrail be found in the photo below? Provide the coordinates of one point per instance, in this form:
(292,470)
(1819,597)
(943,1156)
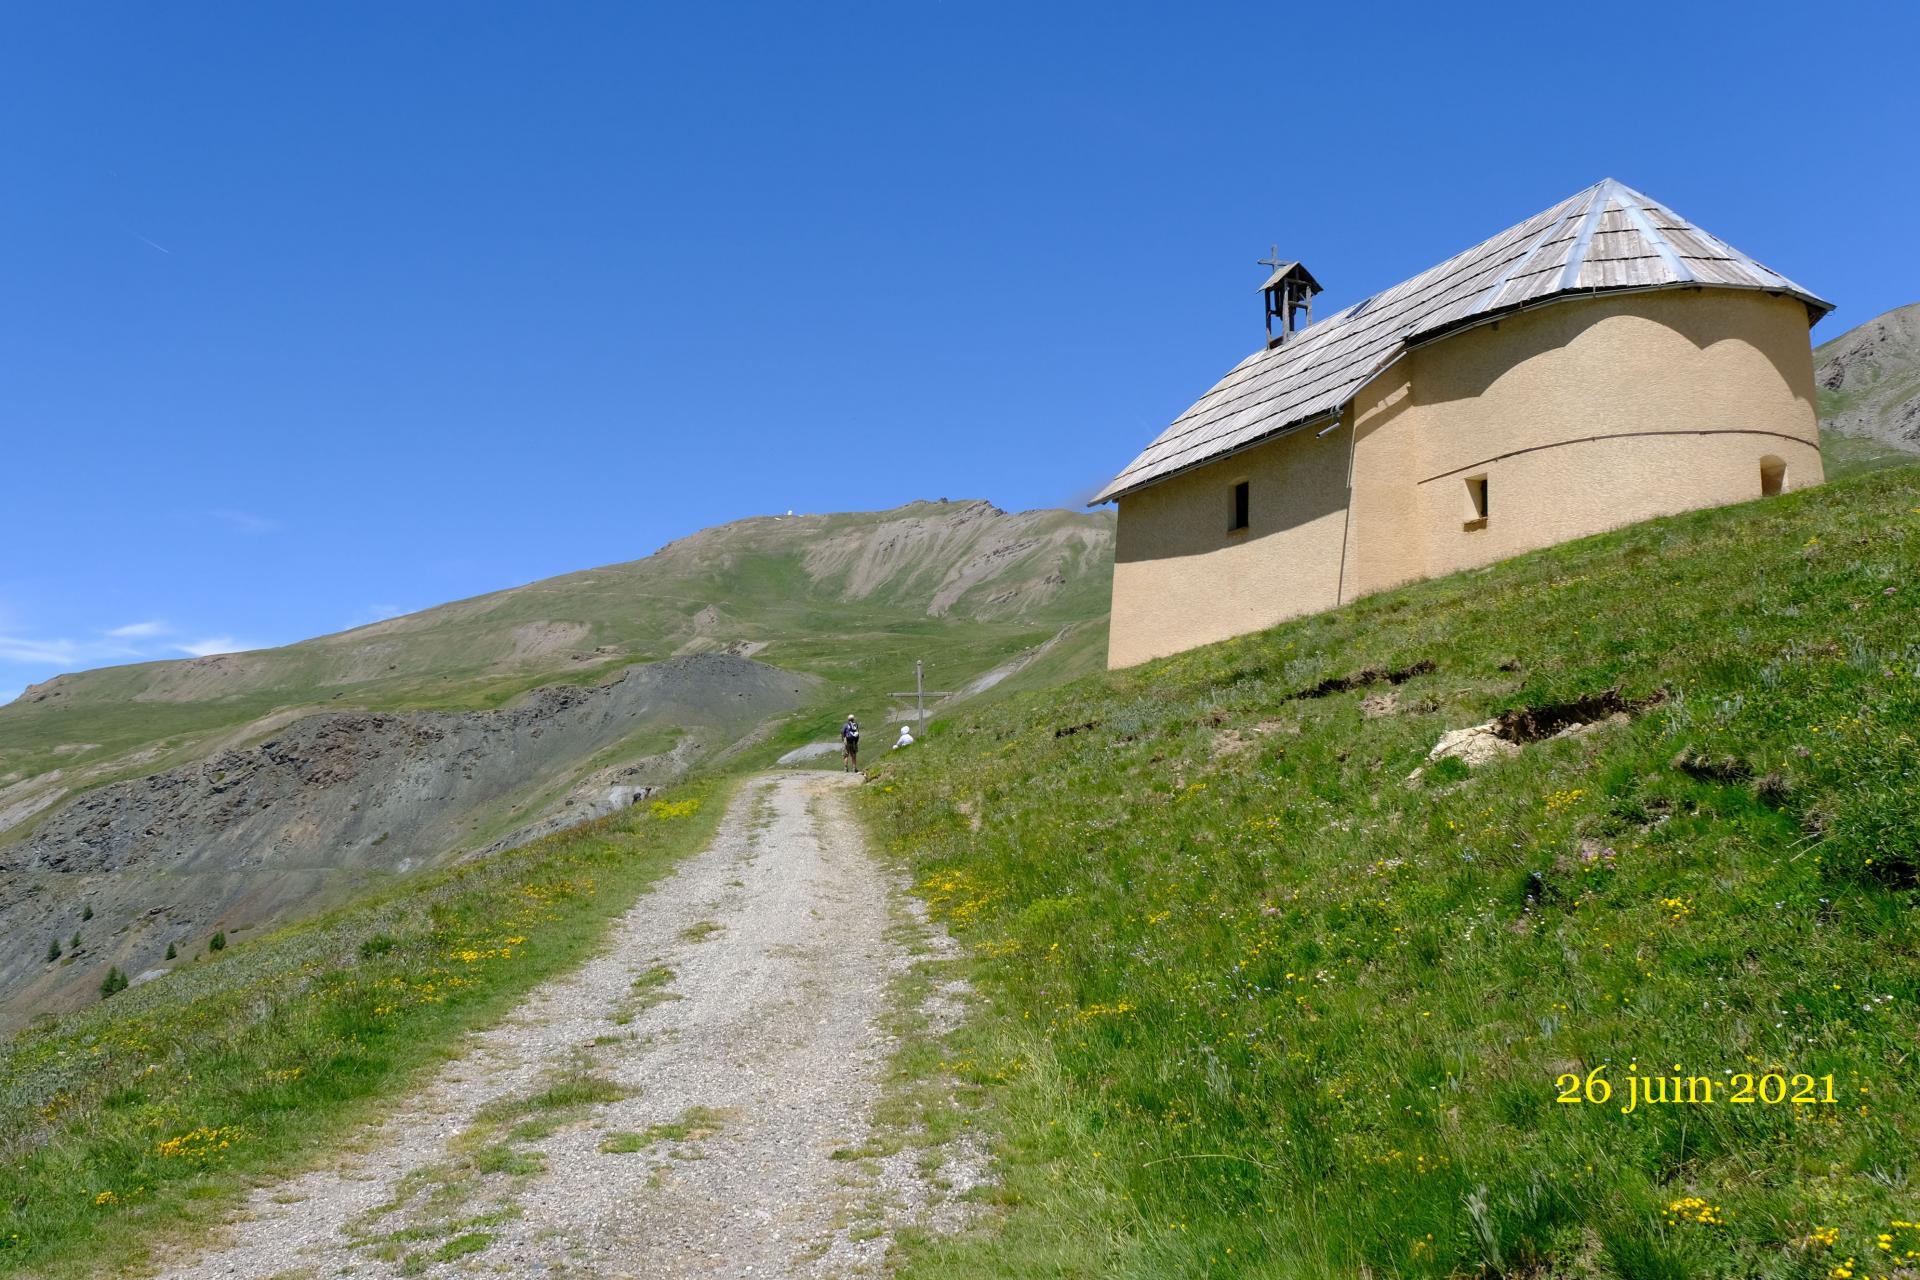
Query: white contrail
(151,245)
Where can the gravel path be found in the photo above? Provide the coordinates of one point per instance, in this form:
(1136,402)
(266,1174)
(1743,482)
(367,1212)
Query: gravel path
(672,1108)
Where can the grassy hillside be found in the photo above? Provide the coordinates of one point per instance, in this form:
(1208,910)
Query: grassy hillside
(145,1117)
(1842,456)
(1252,1003)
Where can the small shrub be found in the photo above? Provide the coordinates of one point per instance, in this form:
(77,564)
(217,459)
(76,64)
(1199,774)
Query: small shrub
(114,981)
(86,912)
(218,942)
(53,950)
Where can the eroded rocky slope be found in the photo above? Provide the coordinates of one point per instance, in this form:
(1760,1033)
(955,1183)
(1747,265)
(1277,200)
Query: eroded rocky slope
(1869,380)
(333,804)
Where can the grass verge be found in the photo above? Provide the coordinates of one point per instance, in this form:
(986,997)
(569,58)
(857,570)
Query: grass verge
(150,1114)
(1249,1003)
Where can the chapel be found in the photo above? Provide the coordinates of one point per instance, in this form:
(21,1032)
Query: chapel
(1602,362)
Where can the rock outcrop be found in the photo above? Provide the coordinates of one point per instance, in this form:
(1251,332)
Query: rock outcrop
(1869,380)
(331,804)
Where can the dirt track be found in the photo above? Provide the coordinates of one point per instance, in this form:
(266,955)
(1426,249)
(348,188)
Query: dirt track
(737,1008)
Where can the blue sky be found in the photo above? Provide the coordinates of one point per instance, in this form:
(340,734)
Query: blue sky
(313,314)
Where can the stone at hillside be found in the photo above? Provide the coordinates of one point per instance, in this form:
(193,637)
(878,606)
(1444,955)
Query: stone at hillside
(1474,745)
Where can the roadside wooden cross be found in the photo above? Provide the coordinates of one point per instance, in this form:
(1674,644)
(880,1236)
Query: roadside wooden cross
(920,693)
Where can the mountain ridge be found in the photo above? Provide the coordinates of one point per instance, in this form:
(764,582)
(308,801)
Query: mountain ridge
(739,583)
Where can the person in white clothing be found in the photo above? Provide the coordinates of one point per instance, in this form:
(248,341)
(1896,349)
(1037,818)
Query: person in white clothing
(906,738)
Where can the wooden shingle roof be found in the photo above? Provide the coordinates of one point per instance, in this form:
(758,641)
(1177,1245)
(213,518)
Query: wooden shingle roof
(1608,237)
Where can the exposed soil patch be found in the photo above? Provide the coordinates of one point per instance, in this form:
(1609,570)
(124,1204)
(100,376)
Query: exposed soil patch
(1534,724)
(1370,676)
(1384,703)
(1068,730)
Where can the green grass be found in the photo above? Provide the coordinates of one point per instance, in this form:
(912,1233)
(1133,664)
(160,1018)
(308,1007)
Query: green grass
(146,1117)
(462,1245)
(624,1144)
(692,1124)
(1844,456)
(1250,1004)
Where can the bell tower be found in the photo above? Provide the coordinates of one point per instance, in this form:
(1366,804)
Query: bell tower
(1288,292)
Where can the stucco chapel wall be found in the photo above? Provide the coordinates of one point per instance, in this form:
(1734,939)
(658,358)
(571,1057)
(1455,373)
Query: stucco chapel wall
(1691,389)
(1582,416)
(1181,578)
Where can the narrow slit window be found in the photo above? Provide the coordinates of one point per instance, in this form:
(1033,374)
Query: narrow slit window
(1477,502)
(1241,507)
(1773,476)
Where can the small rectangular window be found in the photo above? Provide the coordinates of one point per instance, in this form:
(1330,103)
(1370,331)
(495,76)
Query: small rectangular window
(1240,507)
(1476,503)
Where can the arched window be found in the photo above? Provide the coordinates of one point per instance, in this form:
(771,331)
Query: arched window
(1773,476)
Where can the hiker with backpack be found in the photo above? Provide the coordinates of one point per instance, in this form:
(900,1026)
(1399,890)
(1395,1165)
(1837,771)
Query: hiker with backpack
(850,744)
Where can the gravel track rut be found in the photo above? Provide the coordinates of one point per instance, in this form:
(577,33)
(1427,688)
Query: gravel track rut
(728,1036)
